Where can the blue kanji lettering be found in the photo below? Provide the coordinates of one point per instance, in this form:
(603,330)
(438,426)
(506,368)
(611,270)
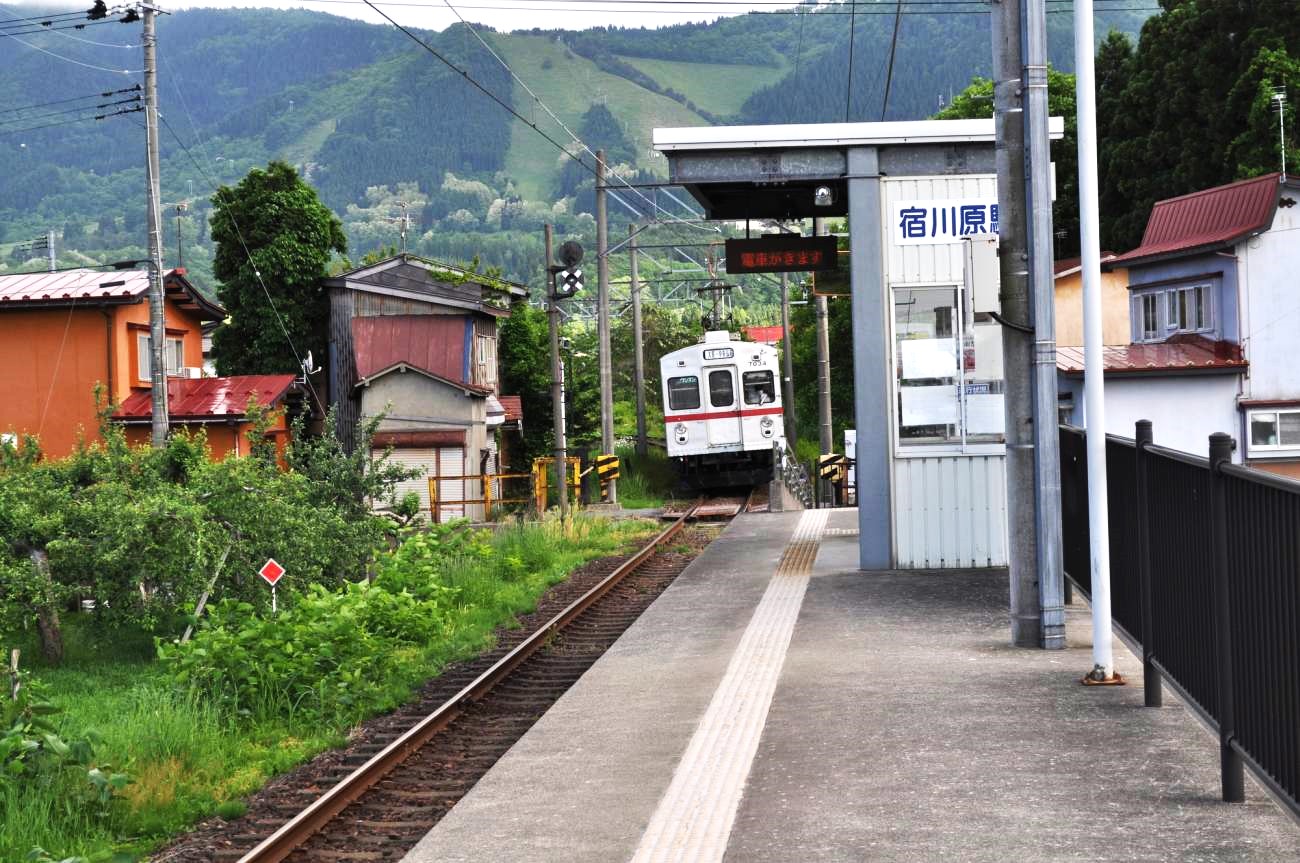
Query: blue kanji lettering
(972,219)
(993,218)
(912,223)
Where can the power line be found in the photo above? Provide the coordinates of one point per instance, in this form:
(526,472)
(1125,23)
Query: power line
(848,83)
(58,56)
(105,95)
(4,132)
(76,110)
(889,75)
(34,29)
(52,17)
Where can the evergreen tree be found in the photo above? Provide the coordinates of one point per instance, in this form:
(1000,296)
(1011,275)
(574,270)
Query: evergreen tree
(525,356)
(274,241)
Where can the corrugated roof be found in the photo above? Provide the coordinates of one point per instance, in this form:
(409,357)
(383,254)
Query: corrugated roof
(1209,218)
(1068,266)
(437,344)
(1186,354)
(207,398)
(30,289)
(514,406)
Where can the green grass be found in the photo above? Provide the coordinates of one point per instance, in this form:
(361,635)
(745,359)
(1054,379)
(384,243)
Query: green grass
(718,88)
(188,761)
(644,481)
(570,84)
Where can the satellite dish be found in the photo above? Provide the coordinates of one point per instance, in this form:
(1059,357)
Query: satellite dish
(570,254)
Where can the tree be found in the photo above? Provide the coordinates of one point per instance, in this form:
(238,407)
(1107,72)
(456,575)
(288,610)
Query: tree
(274,242)
(977,101)
(525,354)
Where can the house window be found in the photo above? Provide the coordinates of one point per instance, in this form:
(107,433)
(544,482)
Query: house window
(173,356)
(683,393)
(1274,431)
(948,371)
(486,359)
(1165,312)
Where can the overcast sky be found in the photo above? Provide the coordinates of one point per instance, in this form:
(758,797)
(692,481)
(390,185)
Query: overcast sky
(517,14)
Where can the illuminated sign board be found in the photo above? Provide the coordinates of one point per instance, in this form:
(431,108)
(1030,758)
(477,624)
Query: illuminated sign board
(781,253)
(719,353)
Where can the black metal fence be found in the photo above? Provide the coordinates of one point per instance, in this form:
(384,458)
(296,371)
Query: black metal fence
(1205,576)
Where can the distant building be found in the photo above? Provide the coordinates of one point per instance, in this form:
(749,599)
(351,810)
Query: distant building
(764,335)
(1068,278)
(62,333)
(1213,310)
(417,341)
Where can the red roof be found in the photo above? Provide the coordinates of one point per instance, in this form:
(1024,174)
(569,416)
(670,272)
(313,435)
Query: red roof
(208,398)
(1068,266)
(437,344)
(1213,217)
(1188,354)
(764,335)
(514,407)
(27,289)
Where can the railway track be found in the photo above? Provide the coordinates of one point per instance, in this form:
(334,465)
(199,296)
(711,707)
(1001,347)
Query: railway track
(384,793)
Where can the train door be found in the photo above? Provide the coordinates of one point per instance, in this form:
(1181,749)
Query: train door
(724,427)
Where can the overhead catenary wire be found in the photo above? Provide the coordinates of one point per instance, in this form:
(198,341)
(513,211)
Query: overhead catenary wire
(936,8)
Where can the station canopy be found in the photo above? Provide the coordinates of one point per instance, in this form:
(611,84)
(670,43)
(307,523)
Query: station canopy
(775,172)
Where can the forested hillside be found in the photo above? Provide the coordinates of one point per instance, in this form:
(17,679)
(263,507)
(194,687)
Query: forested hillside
(382,128)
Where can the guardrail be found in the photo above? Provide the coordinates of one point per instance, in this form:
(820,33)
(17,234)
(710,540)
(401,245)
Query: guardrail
(1205,576)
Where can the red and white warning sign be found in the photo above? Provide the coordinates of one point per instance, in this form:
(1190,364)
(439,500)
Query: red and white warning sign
(271,571)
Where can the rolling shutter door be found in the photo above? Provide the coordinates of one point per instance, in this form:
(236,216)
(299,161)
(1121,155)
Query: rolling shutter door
(423,459)
(451,463)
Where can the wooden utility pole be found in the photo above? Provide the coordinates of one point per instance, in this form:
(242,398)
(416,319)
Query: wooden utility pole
(602,320)
(638,348)
(157,312)
(557,382)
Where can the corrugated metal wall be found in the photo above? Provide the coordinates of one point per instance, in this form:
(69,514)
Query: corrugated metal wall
(950,511)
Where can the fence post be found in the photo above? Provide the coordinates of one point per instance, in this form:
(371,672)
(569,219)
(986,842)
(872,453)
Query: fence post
(1230,764)
(1150,676)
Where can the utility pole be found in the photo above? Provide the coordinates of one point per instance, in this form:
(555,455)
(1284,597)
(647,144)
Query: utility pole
(638,348)
(823,373)
(49,250)
(1047,446)
(157,313)
(602,320)
(1094,400)
(557,382)
(787,366)
(180,248)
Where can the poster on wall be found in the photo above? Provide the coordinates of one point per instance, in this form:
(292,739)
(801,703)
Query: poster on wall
(916,223)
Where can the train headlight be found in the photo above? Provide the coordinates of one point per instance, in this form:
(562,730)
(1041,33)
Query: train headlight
(766,422)
(680,431)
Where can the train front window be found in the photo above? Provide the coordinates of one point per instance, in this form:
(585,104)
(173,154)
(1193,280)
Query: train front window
(721,391)
(683,393)
(760,388)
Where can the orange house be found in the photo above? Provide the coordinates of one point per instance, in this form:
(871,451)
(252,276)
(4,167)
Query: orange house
(62,333)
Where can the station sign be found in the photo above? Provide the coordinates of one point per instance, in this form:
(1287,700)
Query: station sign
(781,253)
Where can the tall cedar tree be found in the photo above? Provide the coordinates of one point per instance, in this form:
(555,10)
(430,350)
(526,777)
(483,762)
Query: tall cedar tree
(1189,108)
(272,224)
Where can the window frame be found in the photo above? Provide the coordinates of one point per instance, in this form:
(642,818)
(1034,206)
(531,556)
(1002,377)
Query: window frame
(1169,308)
(172,364)
(770,383)
(670,392)
(731,388)
(1274,449)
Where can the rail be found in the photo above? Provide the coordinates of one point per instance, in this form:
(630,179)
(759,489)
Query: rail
(1205,577)
(321,811)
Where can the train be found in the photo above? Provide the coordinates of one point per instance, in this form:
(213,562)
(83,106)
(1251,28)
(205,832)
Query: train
(722,411)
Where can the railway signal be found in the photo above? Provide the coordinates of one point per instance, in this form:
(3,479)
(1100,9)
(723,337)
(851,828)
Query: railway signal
(566,278)
(271,572)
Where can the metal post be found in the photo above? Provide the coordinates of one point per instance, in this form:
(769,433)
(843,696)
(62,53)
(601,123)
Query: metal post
(1017,341)
(638,348)
(787,366)
(557,377)
(824,427)
(1231,773)
(157,312)
(602,319)
(1093,395)
(1047,443)
(1150,676)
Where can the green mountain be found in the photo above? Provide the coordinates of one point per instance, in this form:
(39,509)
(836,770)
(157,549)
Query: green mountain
(384,129)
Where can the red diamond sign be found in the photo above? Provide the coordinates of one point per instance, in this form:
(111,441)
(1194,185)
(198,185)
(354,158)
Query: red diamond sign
(271,572)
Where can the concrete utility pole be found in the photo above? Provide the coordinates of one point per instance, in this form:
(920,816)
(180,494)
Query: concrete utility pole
(1047,441)
(157,312)
(787,366)
(638,348)
(49,250)
(1093,396)
(557,381)
(823,374)
(1017,334)
(602,320)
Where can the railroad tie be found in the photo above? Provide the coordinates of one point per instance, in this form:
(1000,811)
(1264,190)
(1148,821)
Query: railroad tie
(694,819)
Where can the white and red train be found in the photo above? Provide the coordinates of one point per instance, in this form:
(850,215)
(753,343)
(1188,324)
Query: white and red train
(722,411)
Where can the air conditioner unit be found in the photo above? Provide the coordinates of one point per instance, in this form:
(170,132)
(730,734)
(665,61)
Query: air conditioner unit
(191,372)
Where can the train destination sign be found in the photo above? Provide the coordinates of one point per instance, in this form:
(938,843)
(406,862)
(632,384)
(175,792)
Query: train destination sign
(781,253)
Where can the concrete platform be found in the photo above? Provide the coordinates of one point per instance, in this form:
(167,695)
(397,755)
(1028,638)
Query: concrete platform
(888,721)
